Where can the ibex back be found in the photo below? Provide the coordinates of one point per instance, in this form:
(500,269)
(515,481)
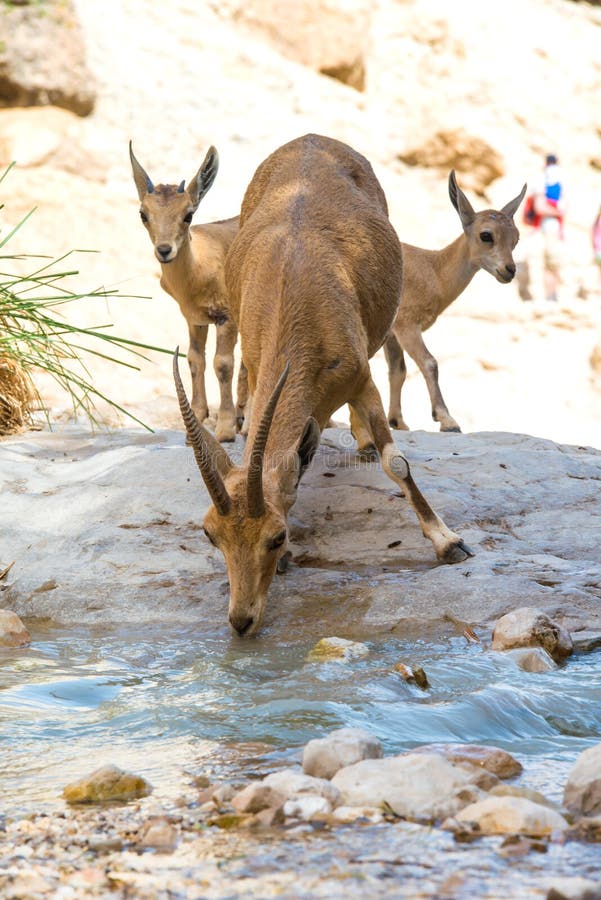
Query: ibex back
(314,276)
(192,259)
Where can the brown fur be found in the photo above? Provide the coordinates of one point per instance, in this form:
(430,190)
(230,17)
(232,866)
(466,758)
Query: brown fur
(432,280)
(313,276)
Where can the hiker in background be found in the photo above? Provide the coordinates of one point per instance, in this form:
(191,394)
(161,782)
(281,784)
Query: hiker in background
(544,211)
(596,240)
(549,208)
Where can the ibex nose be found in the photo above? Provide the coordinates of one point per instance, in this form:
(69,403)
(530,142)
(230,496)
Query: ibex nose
(241,624)
(163,250)
(511,269)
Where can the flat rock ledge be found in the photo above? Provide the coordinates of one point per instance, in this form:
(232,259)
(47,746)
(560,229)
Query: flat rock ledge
(106,529)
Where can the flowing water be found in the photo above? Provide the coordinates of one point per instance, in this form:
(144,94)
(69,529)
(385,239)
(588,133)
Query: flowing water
(168,702)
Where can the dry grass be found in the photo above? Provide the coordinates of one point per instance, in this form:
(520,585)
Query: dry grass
(16,396)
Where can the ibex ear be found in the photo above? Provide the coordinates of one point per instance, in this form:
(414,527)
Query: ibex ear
(143,183)
(511,208)
(460,202)
(204,178)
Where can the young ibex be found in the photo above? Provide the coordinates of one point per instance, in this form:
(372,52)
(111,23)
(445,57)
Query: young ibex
(192,259)
(314,276)
(433,279)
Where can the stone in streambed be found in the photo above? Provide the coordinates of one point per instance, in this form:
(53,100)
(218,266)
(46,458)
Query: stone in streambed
(12,631)
(582,793)
(323,757)
(105,784)
(530,627)
(512,815)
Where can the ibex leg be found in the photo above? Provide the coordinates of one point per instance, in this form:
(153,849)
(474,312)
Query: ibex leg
(397,372)
(411,340)
(448,546)
(223,364)
(242,396)
(197,363)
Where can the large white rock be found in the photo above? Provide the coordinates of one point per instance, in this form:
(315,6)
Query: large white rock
(323,757)
(293,783)
(582,793)
(512,815)
(307,807)
(530,627)
(419,785)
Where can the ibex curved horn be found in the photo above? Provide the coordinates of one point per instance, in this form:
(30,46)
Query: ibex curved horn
(202,446)
(141,178)
(254,488)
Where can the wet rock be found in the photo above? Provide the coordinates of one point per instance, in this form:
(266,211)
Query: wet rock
(107,783)
(588,829)
(532,659)
(158,833)
(226,821)
(514,790)
(412,676)
(529,627)
(582,793)
(338,649)
(345,814)
(574,889)
(586,641)
(307,807)
(512,815)
(414,785)
(293,783)
(323,757)
(515,845)
(256,797)
(42,57)
(493,759)
(12,631)
(104,843)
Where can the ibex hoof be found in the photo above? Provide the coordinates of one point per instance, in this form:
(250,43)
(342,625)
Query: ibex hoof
(368,453)
(399,424)
(454,428)
(456,552)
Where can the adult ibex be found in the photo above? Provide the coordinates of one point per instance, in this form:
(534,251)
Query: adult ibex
(433,279)
(314,276)
(192,259)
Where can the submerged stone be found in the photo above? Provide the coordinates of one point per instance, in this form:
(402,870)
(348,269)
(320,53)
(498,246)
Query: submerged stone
(338,649)
(105,784)
(512,815)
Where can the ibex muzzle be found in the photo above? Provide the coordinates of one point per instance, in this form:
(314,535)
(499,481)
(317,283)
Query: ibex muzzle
(247,520)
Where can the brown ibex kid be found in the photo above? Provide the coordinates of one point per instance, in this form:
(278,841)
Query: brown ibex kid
(192,259)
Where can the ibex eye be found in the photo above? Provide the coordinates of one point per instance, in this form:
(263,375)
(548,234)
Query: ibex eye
(143,216)
(486,236)
(277,541)
(188,218)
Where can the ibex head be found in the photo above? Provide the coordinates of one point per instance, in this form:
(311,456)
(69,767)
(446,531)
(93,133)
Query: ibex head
(167,209)
(247,520)
(492,234)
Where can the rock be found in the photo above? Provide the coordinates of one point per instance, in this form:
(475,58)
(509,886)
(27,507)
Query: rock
(476,162)
(330,36)
(336,649)
(293,783)
(588,829)
(529,627)
(352,813)
(515,790)
(222,795)
(532,659)
(107,783)
(574,889)
(268,818)
(256,797)
(512,815)
(226,821)
(157,832)
(412,676)
(307,807)
(42,57)
(414,785)
(104,843)
(12,631)
(586,641)
(582,793)
(323,757)
(493,759)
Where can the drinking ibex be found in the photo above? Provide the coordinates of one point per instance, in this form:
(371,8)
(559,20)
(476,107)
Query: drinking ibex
(314,277)
(433,279)
(192,259)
